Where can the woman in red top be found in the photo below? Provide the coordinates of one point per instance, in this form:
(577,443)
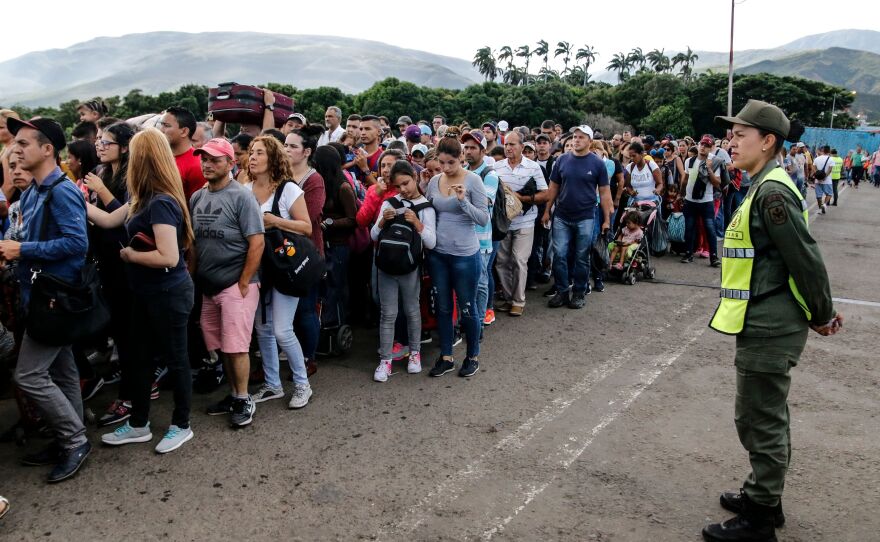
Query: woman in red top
(300,146)
(379,192)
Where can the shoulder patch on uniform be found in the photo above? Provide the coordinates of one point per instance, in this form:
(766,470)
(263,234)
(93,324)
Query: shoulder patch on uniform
(776,211)
(776,196)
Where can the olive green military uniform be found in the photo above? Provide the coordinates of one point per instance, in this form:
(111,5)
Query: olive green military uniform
(775,330)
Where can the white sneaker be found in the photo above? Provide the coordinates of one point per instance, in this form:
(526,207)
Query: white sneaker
(301,395)
(415,363)
(266,393)
(383,371)
(126,434)
(174,438)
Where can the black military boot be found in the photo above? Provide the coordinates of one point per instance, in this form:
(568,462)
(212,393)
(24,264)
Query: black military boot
(732,500)
(753,524)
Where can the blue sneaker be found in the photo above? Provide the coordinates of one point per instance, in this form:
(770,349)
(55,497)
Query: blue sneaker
(126,434)
(174,438)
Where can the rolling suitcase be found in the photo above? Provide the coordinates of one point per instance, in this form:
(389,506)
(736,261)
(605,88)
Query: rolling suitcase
(243,104)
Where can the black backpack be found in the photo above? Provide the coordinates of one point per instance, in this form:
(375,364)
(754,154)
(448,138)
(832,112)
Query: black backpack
(399,246)
(500,222)
(291,263)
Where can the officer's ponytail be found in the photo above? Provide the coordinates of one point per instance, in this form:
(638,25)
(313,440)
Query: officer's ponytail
(795,131)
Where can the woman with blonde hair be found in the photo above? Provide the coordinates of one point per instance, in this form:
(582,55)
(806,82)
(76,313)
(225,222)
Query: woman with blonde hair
(6,140)
(159,229)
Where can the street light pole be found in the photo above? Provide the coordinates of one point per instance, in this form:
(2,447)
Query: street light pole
(730,64)
(833,102)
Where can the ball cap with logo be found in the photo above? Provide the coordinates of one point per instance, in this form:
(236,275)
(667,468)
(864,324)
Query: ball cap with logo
(216,147)
(46,126)
(761,115)
(476,136)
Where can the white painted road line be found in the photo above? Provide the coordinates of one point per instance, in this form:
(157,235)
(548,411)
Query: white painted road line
(855,302)
(467,478)
(578,443)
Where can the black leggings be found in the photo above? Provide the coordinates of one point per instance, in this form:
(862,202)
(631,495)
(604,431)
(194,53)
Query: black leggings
(158,331)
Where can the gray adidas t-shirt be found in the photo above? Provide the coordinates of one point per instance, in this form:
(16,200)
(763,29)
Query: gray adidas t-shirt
(222,222)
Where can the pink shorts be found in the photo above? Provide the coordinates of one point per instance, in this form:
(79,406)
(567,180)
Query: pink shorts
(228,319)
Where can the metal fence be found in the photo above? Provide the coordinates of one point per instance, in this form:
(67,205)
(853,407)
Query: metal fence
(842,140)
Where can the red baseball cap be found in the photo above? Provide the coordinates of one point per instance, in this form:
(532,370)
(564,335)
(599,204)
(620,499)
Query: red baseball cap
(217,147)
(706,140)
(476,136)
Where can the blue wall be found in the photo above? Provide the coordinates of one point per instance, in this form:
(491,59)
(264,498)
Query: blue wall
(842,140)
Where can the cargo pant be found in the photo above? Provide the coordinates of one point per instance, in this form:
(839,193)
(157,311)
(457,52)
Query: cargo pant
(761,410)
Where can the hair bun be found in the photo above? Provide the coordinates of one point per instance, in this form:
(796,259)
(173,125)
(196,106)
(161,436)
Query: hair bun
(795,131)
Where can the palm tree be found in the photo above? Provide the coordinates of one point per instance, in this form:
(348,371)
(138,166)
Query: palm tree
(658,60)
(549,73)
(588,54)
(543,51)
(576,76)
(564,49)
(484,61)
(505,54)
(525,52)
(636,56)
(620,64)
(687,61)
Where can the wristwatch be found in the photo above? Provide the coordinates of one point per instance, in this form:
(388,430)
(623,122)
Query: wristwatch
(270,107)
(327,223)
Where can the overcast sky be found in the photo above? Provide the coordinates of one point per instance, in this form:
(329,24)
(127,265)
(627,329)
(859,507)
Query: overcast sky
(454,28)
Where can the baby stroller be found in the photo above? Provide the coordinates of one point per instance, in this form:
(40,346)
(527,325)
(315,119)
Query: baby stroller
(638,258)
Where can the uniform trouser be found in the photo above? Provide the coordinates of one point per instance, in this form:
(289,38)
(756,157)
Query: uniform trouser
(513,258)
(834,183)
(47,375)
(761,410)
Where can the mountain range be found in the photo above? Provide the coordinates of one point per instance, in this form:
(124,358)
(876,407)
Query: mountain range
(160,61)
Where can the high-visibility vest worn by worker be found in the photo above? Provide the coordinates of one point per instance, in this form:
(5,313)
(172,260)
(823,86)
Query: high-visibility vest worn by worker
(738,258)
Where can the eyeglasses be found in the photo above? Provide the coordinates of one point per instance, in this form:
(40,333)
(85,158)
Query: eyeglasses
(105,143)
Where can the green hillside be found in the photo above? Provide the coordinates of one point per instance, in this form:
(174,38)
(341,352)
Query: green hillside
(856,70)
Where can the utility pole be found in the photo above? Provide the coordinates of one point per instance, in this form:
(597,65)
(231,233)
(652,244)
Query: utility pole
(730,65)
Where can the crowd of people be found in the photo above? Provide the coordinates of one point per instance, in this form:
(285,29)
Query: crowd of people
(423,227)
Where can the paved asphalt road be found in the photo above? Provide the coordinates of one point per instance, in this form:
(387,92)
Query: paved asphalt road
(613,423)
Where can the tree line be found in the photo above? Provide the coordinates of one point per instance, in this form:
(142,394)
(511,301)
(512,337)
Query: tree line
(646,100)
(501,63)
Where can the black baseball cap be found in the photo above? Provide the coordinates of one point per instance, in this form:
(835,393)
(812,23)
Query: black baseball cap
(46,126)
(543,136)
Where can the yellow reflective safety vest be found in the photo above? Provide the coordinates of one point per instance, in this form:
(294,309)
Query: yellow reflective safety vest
(738,258)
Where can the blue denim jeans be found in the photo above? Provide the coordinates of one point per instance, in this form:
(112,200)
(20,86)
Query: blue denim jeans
(565,234)
(691,212)
(720,225)
(461,275)
(486,285)
(306,323)
(275,331)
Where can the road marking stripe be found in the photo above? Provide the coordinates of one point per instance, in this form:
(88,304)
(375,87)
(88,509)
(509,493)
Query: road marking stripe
(855,301)
(569,456)
(448,490)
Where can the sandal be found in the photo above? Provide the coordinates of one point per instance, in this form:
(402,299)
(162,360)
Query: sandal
(4,507)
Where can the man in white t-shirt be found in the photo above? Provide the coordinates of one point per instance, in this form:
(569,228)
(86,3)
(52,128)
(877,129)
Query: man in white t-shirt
(823,186)
(333,122)
(704,177)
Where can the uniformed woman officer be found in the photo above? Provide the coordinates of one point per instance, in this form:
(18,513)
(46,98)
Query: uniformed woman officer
(774,288)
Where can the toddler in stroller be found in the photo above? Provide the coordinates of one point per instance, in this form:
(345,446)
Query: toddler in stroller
(630,253)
